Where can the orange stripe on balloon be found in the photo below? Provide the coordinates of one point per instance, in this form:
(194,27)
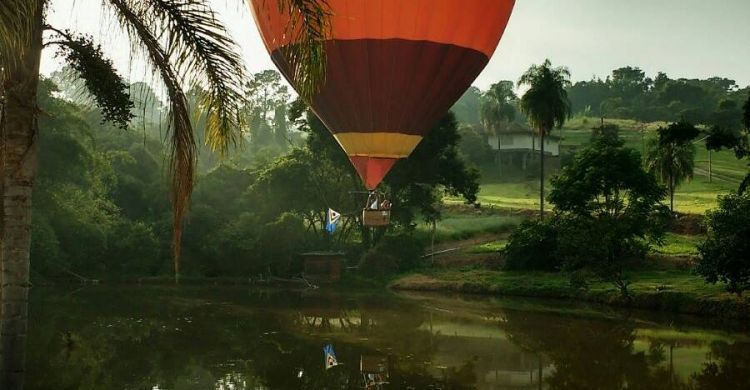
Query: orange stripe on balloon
(372,170)
(473,24)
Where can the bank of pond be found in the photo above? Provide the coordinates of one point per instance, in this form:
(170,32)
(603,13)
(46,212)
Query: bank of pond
(673,291)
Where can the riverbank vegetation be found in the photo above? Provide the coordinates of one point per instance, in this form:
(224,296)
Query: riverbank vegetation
(101,209)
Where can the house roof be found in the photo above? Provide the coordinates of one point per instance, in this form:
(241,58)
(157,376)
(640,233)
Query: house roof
(516,128)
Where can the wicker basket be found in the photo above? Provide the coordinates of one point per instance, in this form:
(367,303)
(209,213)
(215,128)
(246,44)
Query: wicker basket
(376,217)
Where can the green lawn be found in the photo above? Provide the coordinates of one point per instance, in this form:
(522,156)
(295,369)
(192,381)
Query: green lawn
(664,288)
(456,226)
(643,281)
(489,247)
(679,245)
(695,196)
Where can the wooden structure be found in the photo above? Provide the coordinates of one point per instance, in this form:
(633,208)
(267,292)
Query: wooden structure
(323,266)
(375,372)
(376,218)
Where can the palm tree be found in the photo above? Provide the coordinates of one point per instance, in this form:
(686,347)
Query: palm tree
(186,45)
(497,106)
(547,106)
(672,162)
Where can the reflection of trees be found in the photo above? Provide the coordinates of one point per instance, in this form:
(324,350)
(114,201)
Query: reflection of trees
(590,354)
(105,339)
(728,369)
(186,339)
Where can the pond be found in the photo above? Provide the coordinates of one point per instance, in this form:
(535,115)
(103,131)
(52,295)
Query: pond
(249,338)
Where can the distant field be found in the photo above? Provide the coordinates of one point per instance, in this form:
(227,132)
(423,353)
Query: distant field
(457,226)
(696,196)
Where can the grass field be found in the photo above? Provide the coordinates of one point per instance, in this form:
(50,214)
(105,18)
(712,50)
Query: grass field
(679,245)
(695,196)
(665,289)
(457,226)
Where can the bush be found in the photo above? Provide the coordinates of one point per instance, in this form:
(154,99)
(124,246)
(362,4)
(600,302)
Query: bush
(375,263)
(281,240)
(394,253)
(133,250)
(725,256)
(533,246)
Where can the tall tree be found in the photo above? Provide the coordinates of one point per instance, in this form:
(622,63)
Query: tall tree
(738,139)
(498,106)
(546,105)
(185,44)
(671,156)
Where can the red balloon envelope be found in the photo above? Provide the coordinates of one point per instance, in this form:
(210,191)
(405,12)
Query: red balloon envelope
(394,68)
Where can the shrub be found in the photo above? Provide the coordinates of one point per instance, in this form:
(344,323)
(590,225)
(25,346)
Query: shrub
(725,256)
(533,246)
(281,240)
(394,253)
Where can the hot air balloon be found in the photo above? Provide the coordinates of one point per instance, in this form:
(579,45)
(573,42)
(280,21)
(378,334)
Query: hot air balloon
(394,67)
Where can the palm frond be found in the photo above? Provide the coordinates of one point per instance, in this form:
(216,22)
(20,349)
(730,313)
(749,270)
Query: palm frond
(16,26)
(202,52)
(309,26)
(182,146)
(546,102)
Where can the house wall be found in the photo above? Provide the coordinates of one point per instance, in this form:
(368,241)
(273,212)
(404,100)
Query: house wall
(520,141)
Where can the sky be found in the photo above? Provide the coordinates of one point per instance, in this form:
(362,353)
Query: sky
(684,38)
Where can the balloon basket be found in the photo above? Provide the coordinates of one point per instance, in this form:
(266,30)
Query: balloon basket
(376,218)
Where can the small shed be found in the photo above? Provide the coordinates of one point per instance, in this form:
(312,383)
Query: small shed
(323,266)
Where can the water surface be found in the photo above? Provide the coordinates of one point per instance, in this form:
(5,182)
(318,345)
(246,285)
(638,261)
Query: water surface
(247,338)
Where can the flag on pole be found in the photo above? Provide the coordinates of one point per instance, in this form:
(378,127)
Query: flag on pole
(332,220)
(330,356)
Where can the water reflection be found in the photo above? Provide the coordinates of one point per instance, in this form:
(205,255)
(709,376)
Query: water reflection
(201,338)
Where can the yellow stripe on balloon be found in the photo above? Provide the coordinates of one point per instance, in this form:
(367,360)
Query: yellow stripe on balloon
(380,145)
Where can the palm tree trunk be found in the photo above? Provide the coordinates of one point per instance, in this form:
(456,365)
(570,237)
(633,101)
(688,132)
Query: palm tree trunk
(671,193)
(541,175)
(19,169)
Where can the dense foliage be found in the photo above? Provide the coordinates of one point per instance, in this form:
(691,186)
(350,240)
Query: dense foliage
(629,94)
(101,209)
(725,256)
(607,208)
(533,246)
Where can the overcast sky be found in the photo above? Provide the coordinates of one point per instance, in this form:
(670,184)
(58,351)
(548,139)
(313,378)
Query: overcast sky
(684,38)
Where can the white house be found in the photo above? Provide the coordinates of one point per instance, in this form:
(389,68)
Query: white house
(519,145)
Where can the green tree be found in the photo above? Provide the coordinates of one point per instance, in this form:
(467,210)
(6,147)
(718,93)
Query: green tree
(607,207)
(725,255)
(498,106)
(281,126)
(737,139)
(267,98)
(546,105)
(468,106)
(671,156)
(474,146)
(630,83)
(182,42)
